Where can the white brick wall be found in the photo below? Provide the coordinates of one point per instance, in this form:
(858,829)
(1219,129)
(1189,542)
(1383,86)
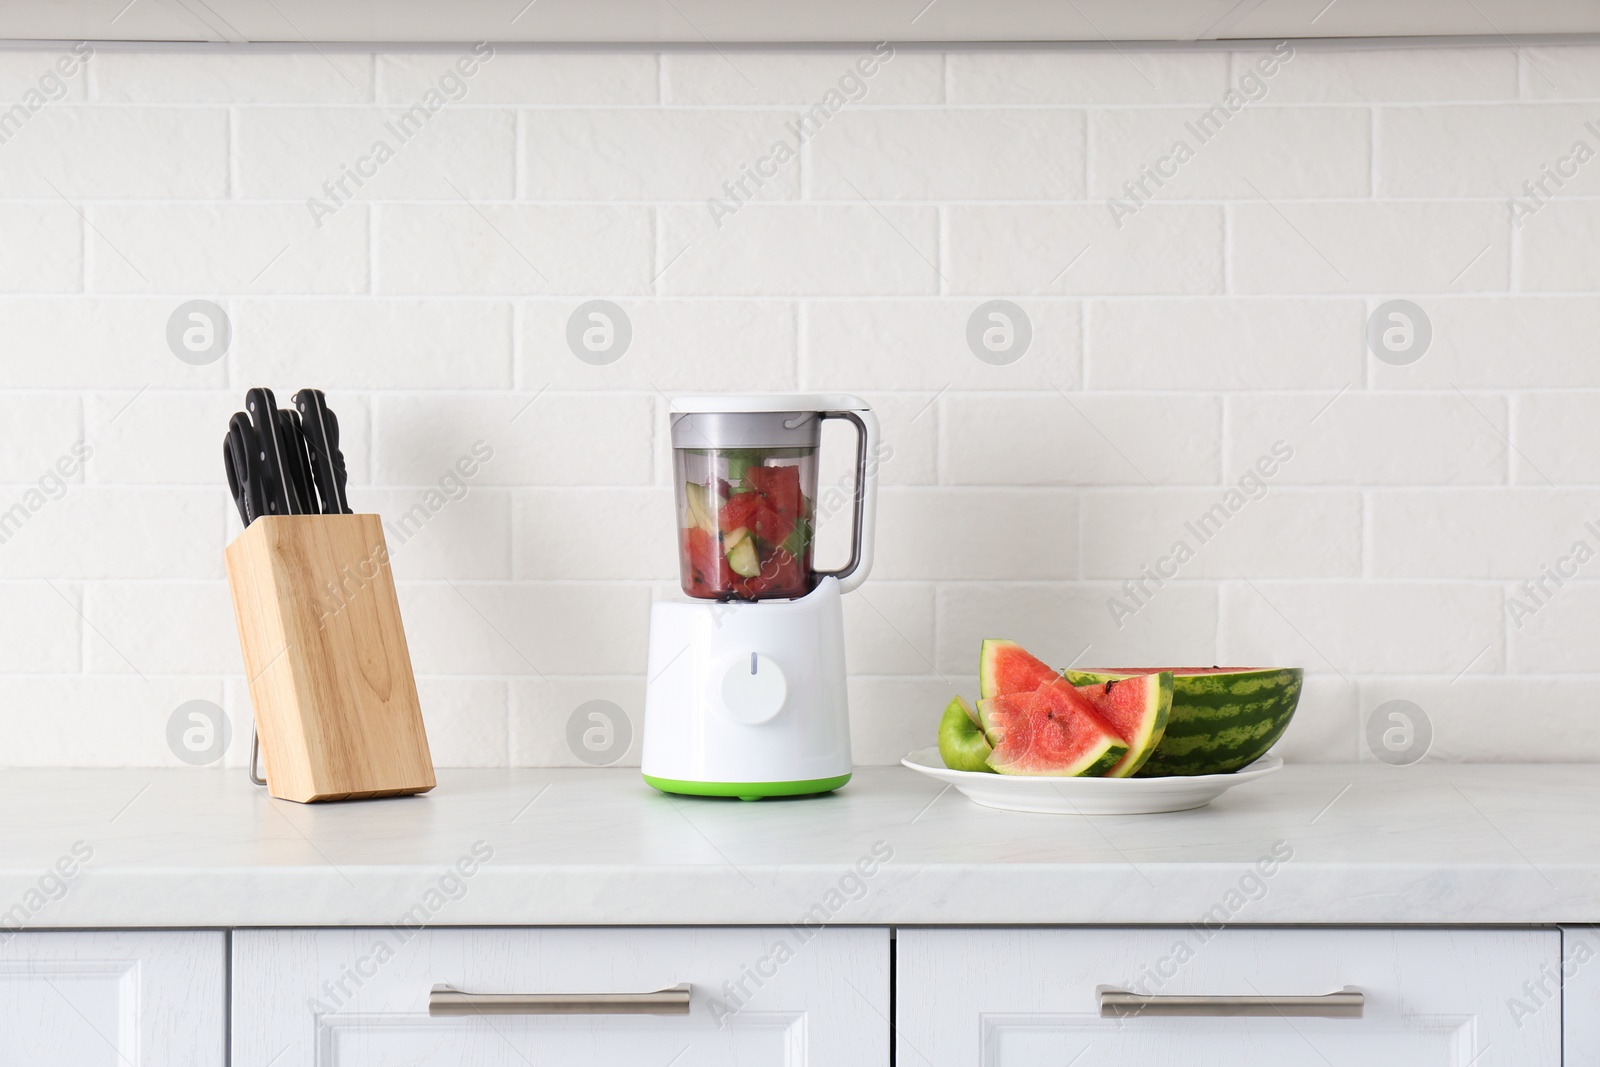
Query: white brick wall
(1403,552)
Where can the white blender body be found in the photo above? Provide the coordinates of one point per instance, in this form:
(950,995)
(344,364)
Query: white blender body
(746,692)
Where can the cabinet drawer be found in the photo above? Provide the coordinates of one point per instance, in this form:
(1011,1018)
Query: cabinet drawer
(1027,998)
(359,997)
(112,998)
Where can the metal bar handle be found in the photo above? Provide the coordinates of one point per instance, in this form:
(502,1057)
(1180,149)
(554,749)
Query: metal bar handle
(448,1000)
(1347,1003)
(255,757)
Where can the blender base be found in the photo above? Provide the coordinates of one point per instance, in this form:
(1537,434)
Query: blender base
(747,699)
(748,790)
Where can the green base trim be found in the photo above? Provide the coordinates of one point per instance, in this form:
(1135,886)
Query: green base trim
(748,790)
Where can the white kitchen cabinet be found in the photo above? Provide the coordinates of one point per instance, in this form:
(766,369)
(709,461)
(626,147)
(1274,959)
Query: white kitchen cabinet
(113,998)
(1026,997)
(1579,979)
(359,997)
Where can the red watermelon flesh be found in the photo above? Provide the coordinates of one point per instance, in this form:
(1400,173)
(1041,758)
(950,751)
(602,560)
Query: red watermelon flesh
(1006,668)
(1136,709)
(1046,733)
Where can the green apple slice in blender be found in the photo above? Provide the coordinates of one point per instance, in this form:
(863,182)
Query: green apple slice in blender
(740,548)
(697,503)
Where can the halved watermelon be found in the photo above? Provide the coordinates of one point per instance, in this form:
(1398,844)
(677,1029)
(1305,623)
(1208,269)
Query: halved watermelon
(1136,709)
(1005,668)
(962,744)
(1222,719)
(1046,733)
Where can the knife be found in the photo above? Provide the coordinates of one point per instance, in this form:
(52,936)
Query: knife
(321,429)
(245,465)
(263,409)
(235,486)
(297,467)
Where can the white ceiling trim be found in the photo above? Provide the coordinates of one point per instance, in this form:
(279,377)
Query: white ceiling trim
(790,23)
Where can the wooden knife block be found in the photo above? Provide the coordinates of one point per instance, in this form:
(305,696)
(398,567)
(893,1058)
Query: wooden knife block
(325,652)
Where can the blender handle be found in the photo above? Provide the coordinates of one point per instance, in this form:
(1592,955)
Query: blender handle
(855,572)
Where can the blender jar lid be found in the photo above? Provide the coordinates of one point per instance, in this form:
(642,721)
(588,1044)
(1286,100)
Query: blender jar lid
(746,429)
(755,420)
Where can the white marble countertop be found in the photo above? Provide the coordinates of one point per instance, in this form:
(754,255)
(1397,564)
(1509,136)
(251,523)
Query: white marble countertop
(1353,844)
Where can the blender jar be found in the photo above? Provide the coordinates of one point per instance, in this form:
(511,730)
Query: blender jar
(746,490)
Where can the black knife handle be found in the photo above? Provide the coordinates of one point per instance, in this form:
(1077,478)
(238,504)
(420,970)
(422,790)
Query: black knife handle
(296,465)
(276,491)
(234,485)
(321,429)
(247,466)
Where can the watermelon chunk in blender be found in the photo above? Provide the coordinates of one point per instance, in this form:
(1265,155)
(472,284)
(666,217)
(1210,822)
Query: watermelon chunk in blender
(745,521)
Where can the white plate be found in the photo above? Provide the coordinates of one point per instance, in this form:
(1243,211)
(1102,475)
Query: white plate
(1089,796)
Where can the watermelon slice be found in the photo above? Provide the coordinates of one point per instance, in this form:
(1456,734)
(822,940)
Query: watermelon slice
(1005,668)
(1222,718)
(1046,733)
(962,744)
(1136,709)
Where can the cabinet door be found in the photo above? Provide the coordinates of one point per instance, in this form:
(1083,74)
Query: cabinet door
(1580,993)
(112,998)
(1028,998)
(359,997)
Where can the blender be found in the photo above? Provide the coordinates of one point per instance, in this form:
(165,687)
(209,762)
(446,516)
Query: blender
(745,693)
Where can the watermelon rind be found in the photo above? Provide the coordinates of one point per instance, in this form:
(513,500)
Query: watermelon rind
(962,744)
(991,657)
(1094,762)
(1153,723)
(1220,720)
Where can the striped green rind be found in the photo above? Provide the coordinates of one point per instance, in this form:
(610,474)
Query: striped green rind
(1219,722)
(1093,765)
(1113,756)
